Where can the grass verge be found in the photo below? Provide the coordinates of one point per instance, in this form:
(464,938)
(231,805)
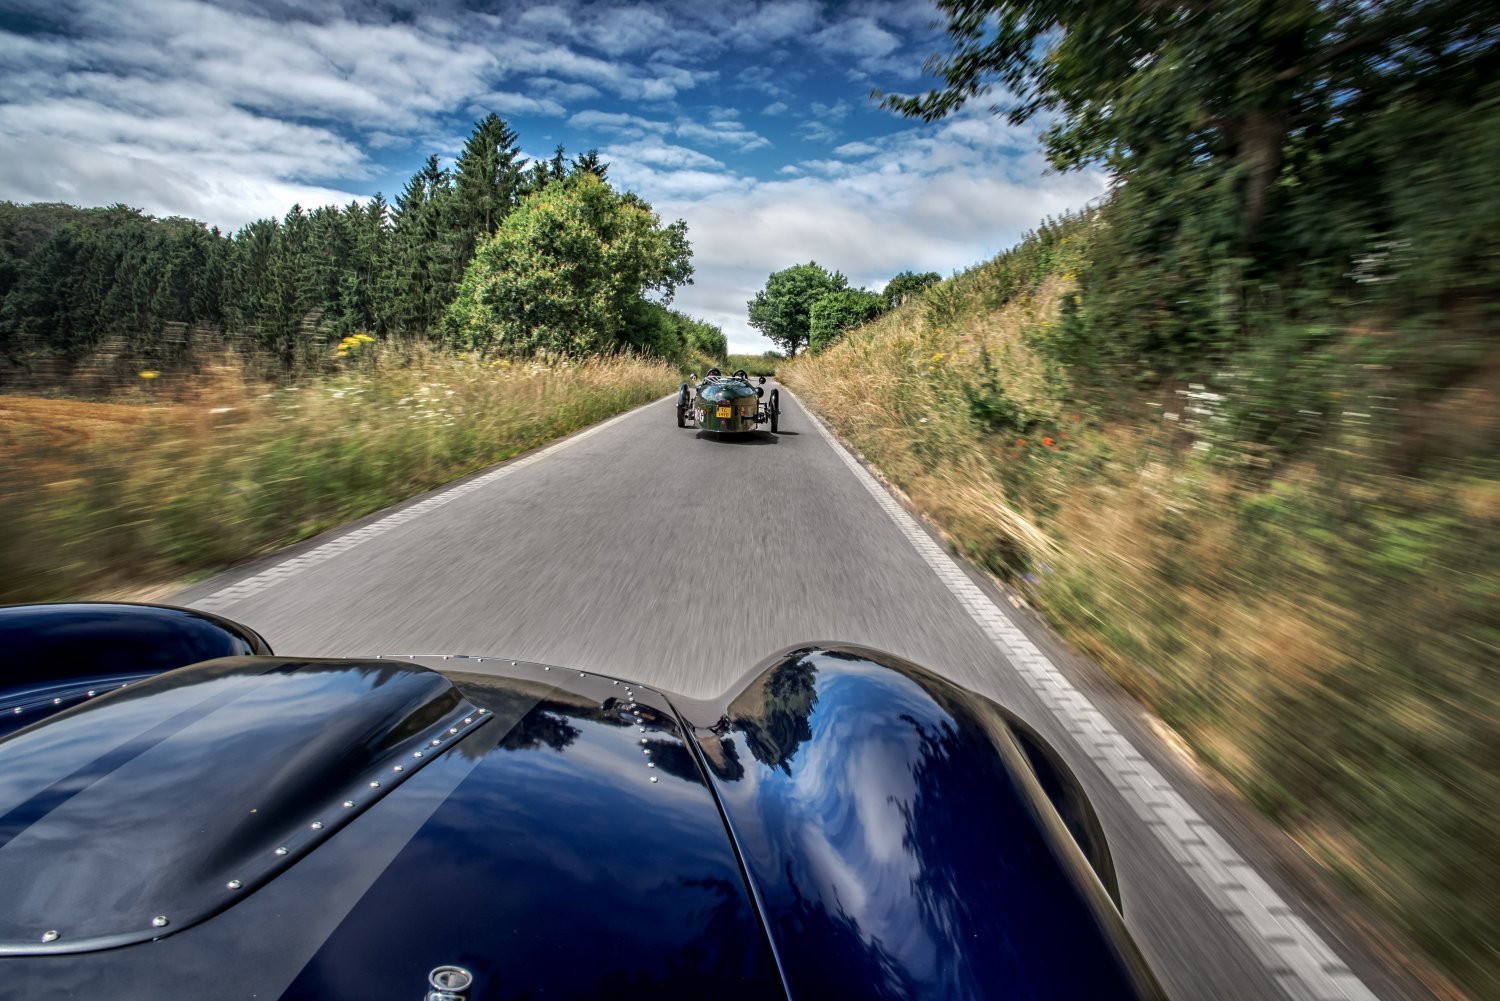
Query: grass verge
(206,470)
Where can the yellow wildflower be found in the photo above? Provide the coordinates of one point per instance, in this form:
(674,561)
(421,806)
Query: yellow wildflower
(149,374)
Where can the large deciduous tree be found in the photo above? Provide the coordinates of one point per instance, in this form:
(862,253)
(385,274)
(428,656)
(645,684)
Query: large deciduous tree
(782,310)
(565,269)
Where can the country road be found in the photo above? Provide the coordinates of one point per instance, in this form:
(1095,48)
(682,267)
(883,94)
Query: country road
(641,550)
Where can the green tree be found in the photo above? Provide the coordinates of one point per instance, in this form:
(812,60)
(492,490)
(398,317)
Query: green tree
(591,162)
(669,334)
(1173,87)
(486,181)
(782,310)
(542,173)
(837,312)
(906,284)
(425,252)
(288,289)
(565,270)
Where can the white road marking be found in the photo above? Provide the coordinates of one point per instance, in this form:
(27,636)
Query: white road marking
(1284,943)
(225,597)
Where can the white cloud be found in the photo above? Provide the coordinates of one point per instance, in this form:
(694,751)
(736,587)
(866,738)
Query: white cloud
(509,103)
(617,123)
(381,139)
(621,31)
(816,131)
(218,192)
(775,81)
(821,126)
(657,82)
(723,132)
(770,23)
(856,149)
(182,107)
(860,37)
(562,90)
(828,168)
(932,199)
(774,108)
(656,153)
(675,185)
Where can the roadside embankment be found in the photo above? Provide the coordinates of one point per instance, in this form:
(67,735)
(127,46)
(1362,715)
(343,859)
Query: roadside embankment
(1319,621)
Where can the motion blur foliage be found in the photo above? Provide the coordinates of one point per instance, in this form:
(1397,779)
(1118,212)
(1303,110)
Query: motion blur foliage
(1236,430)
(1246,575)
(72,278)
(201,470)
(1276,163)
(837,312)
(566,271)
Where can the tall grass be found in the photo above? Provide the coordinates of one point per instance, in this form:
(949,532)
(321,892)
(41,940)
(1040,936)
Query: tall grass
(1322,627)
(218,466)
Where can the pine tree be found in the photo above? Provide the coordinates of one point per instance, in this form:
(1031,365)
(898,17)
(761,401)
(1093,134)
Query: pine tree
(592,163)
(486,182)
(426,257)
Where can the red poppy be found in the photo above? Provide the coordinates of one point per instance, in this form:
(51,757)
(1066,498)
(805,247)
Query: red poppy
(1047,442)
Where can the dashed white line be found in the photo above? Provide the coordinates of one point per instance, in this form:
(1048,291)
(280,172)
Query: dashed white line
(227,596)
(1290,950)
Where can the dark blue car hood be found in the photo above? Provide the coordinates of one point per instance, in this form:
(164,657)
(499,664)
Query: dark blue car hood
(845,825)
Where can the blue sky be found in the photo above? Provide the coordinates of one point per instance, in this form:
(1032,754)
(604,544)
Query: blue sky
(751,121)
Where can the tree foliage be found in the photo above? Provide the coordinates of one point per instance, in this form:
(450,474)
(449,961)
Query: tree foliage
(565,270)
(839,311)
(1176,87)
(908,284)
(783,309)
(486,181)
(654,329)
(1279,167)
(74,281)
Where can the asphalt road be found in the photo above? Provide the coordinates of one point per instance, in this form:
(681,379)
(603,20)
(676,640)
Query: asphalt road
(646,551)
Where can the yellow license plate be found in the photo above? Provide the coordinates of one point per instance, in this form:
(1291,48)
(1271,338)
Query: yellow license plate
(724,412)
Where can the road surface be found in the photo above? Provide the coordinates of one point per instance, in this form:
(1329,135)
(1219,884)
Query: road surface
(642,550)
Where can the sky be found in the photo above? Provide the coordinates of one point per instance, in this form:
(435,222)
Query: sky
(751,121)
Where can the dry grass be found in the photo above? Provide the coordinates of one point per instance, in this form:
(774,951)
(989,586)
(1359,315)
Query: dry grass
(1326,637)
(199,472)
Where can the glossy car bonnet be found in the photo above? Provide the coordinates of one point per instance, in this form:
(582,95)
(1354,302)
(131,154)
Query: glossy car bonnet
(53,657)
(143,812)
